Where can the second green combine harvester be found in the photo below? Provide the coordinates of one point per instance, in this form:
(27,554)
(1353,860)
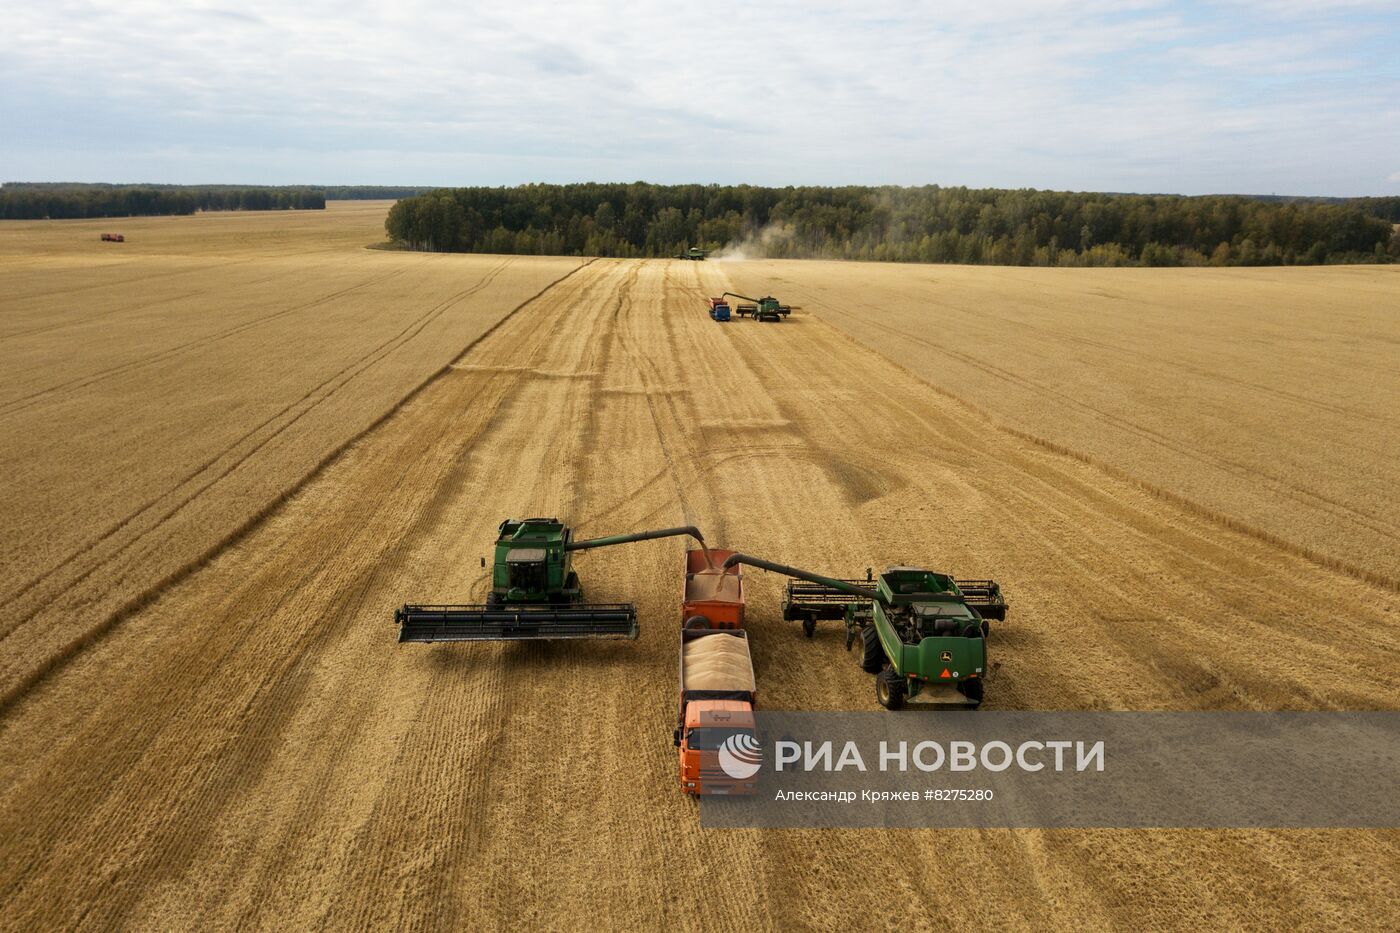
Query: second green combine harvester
(535,593)
(766,308)
(923,634)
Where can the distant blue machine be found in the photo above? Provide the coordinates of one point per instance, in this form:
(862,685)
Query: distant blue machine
(719,309)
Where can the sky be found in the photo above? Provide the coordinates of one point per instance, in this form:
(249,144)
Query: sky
(1235,96)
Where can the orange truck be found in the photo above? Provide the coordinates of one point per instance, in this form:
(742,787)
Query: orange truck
(715,724)
(719,750)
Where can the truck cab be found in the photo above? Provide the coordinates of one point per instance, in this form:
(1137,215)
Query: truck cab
(706,726)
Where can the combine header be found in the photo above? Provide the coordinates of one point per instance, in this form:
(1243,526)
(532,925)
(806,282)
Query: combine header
(763,309)
(808,602)
(535,592)
(917,630)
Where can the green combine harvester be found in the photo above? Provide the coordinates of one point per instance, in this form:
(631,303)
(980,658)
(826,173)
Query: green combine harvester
(766,308)
(535,593)
(695,253)
(919,632)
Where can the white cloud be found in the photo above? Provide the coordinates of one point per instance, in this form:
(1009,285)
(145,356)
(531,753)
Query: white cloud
(1087,94)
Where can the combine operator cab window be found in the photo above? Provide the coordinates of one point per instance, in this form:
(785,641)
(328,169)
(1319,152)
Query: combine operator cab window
(941,619)
(527,569)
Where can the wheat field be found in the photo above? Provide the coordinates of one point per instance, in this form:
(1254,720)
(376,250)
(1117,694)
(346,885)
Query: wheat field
(237,445)
(1265,398)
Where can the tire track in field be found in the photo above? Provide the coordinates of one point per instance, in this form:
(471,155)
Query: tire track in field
(153,276)
(1293,398)
(1294,491)
(792,499)
(528,468)
(523,799)
(1012,324)
(25,681)
(276,762)
(1021,487)
(75,384)
(364,362)
(487,388)
(311,396)
(1069,652)
(140,305)
(1301,493)
(203,269)
(434,457)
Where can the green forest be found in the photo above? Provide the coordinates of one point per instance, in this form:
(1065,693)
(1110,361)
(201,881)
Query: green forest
(924,224)
(372,192)
(1385,208)
(62,200)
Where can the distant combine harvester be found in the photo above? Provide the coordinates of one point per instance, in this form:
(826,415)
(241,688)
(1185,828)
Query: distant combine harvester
(113,238)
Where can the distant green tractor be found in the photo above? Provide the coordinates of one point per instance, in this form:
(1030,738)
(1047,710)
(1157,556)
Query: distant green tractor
(695,253)
(917,630)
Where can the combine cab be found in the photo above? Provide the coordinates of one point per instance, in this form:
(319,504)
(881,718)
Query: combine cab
(535,593)
(921,635)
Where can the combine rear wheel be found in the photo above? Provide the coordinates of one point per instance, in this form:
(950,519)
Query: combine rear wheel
(872,655)
(809,626)
(972,689)
(889,689)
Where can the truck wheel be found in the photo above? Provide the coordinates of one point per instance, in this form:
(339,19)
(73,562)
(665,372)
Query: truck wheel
(972,689)
(809,626)
(696,623)
(889,689)
(872,655)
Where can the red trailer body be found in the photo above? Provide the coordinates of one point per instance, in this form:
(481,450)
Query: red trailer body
(716,597)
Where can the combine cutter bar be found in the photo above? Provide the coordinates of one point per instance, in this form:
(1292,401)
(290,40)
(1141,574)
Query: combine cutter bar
(814,601)
(984,596)
(521,623)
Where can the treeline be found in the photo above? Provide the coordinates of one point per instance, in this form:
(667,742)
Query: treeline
(1384,208)
(928,224)
(371,192)
(38,201)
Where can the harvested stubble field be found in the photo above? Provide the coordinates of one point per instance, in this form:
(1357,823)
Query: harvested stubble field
(232,448)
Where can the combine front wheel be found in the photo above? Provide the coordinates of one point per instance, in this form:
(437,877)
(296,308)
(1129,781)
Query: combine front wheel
(872,655)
